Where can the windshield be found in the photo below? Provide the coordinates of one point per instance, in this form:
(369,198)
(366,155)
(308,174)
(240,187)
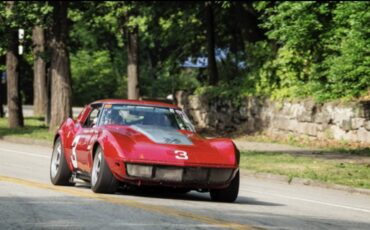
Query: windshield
(145,115)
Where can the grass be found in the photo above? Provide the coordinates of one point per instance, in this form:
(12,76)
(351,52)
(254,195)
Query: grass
(34,128)
(327,145)
(334,172)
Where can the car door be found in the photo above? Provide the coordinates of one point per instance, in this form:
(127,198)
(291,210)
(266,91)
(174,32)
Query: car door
(81,144)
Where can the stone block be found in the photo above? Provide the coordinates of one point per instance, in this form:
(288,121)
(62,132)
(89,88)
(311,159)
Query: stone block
(308,112)
(367,125)
(357,123)
(309,129)
(363,135)
(198,119)
(322,117)
(339,114)
(337,133)
(195,102)
(346,125)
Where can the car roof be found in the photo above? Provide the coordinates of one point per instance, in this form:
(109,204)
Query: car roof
(136,102)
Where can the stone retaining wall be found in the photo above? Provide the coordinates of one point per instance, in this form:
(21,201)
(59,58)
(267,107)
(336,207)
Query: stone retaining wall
(340,121)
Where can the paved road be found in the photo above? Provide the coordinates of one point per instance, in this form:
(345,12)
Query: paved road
(29,201)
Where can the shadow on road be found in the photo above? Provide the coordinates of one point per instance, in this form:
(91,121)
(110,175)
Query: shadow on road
(252,201)
(167,193)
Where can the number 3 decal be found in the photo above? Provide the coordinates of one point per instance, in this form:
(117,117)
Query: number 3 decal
(181,155)
(74,154)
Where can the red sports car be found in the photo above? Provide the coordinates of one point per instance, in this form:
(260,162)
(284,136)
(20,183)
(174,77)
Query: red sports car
(129,142)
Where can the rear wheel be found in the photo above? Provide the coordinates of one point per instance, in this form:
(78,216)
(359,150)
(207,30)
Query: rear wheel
(102,179)
(59,171)
(228,194)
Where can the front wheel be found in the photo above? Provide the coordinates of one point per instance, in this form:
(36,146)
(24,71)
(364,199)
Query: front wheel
(102,179)
(59,171)
(228,194)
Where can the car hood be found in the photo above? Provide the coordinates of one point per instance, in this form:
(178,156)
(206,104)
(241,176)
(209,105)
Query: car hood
(167,146)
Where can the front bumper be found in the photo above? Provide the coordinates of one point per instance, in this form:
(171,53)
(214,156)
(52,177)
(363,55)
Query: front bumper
(197,177)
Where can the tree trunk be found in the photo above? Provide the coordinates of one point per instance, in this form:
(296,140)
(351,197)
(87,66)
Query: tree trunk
(212,65)
(39,75)
(48,93)
(2,95)
(15,115)
(61,92)
(133,63)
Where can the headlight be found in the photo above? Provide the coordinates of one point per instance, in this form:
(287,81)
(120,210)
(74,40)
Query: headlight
(136,170)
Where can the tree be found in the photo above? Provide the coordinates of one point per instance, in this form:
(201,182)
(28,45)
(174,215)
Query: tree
(61,93)
(39,70)
(12,71)
(132,63)
(131,29)
(349,63)
(212,65)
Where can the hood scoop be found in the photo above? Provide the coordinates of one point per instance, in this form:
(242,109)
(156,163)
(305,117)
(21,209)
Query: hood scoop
(163,135)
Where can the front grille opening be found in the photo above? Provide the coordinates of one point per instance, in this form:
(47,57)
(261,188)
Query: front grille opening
(191,175)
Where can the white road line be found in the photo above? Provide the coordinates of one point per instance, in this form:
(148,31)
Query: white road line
(25,153)
(310,201)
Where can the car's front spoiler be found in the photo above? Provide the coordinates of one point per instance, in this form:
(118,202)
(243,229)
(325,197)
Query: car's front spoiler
(173,176)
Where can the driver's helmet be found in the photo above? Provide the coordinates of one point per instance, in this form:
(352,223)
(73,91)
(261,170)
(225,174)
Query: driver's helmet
(113,117)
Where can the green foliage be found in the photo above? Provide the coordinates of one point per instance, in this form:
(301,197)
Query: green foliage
(230,92)
(349,66)
(290,49)
(92,77)
(322,50)
(316,50)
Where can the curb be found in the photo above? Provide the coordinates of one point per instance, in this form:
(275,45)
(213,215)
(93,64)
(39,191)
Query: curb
(303,181)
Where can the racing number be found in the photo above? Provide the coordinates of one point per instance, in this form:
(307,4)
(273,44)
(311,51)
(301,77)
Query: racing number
(74,154)
(181,155)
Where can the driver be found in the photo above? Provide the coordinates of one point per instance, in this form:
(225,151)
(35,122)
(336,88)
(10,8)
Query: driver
(114,117)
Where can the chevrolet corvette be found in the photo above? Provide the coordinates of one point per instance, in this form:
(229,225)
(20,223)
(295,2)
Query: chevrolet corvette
(142,143)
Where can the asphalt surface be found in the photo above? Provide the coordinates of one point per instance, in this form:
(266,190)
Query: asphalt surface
(29,201)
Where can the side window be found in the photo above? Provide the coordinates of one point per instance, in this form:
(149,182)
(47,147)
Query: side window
(92,119)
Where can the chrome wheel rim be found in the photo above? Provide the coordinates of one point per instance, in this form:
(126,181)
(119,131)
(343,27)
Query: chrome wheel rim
(96,169)
(55,160)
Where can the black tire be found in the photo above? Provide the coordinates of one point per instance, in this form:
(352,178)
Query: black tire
(228,194)
(102,179)
(60,174)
